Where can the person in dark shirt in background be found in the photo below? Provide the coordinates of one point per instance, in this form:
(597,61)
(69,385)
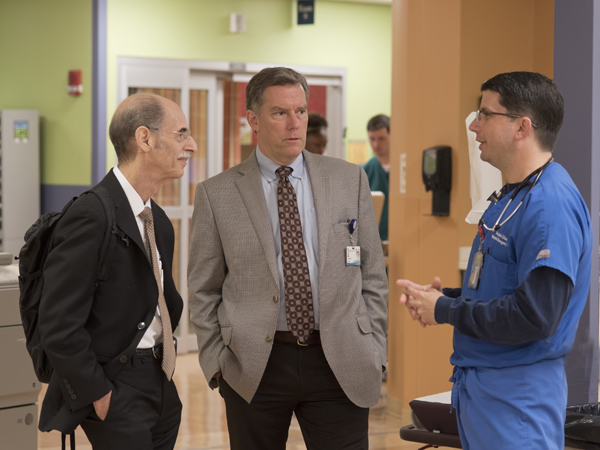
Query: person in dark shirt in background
(316,134)
(378,167)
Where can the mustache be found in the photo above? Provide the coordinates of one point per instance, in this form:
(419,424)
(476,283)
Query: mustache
(185,155)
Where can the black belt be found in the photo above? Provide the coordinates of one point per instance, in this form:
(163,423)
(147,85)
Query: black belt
(287,336)
(155,352)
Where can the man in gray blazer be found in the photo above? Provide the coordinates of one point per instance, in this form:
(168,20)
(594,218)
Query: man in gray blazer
(288,291)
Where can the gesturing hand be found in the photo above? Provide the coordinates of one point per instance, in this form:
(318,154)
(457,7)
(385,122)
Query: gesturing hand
(420,300)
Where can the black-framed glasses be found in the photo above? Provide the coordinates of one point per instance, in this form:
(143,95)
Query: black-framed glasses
(479,112)
(183,135)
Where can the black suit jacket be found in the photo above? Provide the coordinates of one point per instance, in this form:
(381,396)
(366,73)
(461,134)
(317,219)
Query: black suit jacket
(88,330)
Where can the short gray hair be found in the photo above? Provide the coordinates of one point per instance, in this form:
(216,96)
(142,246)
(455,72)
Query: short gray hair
(137,110)
(271,76)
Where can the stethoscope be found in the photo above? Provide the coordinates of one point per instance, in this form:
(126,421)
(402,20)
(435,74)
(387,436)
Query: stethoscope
(522,184)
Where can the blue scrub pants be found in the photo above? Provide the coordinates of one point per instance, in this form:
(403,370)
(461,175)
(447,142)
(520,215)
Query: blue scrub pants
(520,407)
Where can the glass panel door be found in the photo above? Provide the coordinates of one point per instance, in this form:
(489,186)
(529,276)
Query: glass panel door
(202,104)
(176,197)
(197,163)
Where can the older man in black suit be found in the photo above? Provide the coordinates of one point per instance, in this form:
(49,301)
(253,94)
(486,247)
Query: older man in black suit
(110,342)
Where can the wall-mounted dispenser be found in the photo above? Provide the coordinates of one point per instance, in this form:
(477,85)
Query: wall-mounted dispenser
(437,176)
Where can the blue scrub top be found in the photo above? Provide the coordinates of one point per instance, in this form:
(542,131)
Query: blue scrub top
(551,228)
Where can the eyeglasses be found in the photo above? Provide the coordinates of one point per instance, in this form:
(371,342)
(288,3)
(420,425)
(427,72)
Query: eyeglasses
(479,112)
(182,135)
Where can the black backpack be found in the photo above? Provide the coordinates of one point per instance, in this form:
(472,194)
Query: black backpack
(39,241)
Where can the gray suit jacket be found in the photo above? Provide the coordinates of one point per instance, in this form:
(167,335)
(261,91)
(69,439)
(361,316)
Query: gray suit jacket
(234,287)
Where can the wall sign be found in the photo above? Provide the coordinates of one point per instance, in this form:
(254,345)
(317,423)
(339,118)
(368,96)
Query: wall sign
(306,12)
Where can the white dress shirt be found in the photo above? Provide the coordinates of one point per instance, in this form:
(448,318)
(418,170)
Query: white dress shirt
(300,180)
(153,334)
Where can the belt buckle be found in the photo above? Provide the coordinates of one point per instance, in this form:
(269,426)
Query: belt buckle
(154,352)
(301,344)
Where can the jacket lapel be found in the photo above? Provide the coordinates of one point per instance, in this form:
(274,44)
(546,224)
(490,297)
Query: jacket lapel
(253,196)
(124,217)
(320,185)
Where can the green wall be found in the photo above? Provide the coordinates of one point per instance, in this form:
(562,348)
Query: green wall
(40,41)
(351,35)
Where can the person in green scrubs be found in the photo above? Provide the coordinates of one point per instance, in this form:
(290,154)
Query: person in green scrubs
(378,167)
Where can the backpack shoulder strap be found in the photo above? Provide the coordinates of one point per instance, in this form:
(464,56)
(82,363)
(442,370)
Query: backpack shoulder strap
(111,228)
(57,216)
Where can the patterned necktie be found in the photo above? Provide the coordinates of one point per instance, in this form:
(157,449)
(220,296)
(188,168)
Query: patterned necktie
(298,292)
(169,353)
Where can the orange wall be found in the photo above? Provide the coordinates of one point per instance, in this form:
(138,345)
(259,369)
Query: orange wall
(442,51)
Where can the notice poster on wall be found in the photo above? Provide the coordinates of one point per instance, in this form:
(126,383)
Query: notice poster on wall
(21,130)
(357,152)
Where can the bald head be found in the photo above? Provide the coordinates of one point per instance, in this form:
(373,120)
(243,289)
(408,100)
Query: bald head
(135,111)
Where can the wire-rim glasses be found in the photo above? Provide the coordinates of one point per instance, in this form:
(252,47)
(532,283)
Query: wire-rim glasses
(479,112)
(181,134)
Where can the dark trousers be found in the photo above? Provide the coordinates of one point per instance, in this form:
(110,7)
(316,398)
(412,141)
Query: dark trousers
(296,380)
(144,412)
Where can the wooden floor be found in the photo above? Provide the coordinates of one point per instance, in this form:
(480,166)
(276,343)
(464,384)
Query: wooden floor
(203,424)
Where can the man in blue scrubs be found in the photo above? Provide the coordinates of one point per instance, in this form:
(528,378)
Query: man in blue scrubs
(527,280)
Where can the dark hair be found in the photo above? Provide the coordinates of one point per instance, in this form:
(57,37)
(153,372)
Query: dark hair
(378,122)
(137,110)
(316,122)
(535,96)
(271,76)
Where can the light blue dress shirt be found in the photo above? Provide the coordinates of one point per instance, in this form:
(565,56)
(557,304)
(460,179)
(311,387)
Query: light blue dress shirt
(306,207)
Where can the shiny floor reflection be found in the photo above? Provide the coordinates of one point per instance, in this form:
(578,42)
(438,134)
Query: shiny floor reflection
(204,427)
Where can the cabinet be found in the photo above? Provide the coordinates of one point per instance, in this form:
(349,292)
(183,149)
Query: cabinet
(19,176)
(19,387)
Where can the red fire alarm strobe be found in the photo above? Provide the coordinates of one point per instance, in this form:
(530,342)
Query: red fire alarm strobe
(75,87)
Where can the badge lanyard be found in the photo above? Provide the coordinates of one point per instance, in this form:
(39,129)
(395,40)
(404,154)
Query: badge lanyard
(477,265)
(352,252)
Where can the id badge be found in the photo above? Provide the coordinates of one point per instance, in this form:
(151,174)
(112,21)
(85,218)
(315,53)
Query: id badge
(353,256)
(476,270)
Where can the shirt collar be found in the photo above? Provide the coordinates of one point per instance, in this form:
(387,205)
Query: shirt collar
(268,166)
(135,201)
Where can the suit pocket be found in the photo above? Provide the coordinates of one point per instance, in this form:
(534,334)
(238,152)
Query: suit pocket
(341,228)
(503,279)
(226,332)
(364,323)
(111,404)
